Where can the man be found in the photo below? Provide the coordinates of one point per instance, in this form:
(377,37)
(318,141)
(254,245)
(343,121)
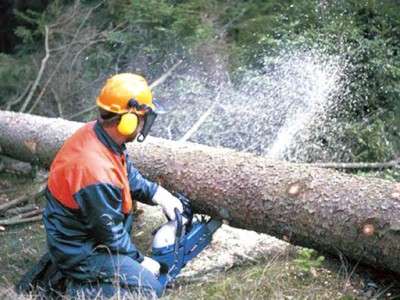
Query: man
(91,190)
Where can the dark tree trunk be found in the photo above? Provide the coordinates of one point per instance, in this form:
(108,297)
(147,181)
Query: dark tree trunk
(312,207)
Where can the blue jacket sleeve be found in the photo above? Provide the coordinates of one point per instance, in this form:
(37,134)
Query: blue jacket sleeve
(101,205)
(142,189)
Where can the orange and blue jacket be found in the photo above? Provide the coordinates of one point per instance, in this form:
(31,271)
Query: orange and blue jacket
(89,198)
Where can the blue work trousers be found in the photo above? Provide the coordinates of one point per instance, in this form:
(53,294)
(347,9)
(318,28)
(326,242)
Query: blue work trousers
(105,275)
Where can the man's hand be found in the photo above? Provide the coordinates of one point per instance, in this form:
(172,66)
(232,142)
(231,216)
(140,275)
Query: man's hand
(151,265)
(168,202)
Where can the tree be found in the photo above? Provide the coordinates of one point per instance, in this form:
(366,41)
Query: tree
(308,206)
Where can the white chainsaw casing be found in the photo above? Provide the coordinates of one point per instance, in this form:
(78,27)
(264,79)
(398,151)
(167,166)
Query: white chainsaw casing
(165,236)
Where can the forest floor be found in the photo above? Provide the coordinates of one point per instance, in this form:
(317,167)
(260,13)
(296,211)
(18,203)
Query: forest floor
(239,264)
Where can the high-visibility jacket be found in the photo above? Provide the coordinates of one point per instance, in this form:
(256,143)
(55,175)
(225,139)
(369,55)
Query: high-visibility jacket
(89,198)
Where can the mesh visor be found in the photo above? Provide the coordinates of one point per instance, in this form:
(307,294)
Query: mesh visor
(149,119)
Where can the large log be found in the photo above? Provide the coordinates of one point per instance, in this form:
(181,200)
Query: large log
(312,207)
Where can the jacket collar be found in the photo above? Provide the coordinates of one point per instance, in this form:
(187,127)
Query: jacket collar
(103,136)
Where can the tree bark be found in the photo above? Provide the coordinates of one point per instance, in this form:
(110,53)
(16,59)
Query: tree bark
(308,206)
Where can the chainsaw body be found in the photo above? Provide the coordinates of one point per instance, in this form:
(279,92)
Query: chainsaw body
(177,242)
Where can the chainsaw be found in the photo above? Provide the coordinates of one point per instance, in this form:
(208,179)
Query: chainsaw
(178,242)
(174,244)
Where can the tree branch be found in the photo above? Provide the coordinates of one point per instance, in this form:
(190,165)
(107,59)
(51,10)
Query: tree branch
(41,70)
(362,165)
(25,215)
(20,210)
(164,77)
(200,121)
(23,198)
(20,221)
(20,97)
(62,58)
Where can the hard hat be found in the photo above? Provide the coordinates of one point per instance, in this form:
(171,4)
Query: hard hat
(120,89)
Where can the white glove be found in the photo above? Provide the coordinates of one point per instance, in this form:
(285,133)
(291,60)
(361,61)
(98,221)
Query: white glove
(167,201)
(151,265)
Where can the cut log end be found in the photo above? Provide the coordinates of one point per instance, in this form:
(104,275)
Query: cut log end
(295,189)
(368,230)
(31,145)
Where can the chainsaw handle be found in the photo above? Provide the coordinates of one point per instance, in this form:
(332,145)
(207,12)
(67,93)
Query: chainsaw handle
(178,233)
(179,226)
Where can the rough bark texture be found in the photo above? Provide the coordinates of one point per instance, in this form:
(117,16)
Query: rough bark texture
(312,207)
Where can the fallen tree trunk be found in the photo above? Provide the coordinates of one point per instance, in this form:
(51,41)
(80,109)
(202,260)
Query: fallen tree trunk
(308,206)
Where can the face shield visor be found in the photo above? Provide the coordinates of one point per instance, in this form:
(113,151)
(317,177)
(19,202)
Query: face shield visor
(149,116)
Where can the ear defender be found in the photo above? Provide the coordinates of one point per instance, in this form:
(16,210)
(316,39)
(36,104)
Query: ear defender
(128,124)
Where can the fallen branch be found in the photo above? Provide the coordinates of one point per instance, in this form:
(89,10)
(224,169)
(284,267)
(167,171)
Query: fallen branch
(41,70)
(359,166)
(20,210)
(22,199)
(21,221)
(14,202)
(21,216)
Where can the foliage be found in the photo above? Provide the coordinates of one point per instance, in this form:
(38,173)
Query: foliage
(366,33)
(13,72)
(388,174)
(148,36)
(308,259)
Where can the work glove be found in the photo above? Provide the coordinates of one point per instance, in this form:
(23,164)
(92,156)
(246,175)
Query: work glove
(168,202)
(152,265)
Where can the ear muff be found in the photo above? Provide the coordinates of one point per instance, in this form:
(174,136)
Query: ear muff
(128,124)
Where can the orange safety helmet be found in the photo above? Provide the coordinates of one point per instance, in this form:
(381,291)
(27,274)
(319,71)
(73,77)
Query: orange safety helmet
(120,89)
(129,95)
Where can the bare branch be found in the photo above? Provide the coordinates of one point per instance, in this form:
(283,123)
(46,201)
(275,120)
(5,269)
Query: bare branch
(200,121)
(20,210)
(28,214)
(58,102)
(14,202)
(66,53)
(41,70)
(357,166)
(20,97)
(21,221)
(228,25)
(82,112)
(22,199)
(164,77)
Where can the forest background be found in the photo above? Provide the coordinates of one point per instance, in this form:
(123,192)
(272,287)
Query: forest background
(56,55)
(303,81)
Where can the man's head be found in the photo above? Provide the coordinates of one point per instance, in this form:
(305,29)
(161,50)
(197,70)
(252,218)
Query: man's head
(110,121)
(126,104)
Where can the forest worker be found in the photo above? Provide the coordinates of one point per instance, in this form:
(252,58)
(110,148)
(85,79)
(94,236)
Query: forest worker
(91,189)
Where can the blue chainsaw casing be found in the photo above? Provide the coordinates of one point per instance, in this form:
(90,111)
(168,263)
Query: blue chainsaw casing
(174,257)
